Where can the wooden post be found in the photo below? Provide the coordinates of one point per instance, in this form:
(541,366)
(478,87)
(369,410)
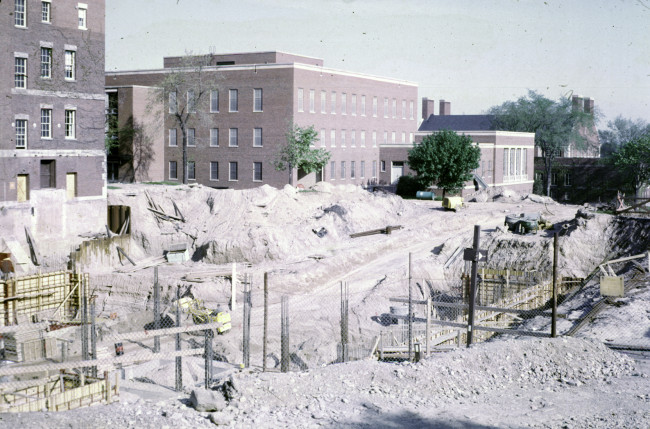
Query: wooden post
(266,319)
(107,382)
(554,311)
(472,287)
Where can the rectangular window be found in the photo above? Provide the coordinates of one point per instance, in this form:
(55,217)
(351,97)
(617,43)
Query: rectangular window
(301,107)
(344,100)
(403,137)
(385,137)
(21,133)
(20,72)
(321,137)
(257,100)
(342,169)
(173,105)
(333,103)
(362,170)
(353,173)
(353,105)
(191,137)
(173,171)
(333,138)
(567,179)
(70,124)
(394,108)
(374,139)
(257,172)
(214,101)
(410,137)
(233,174)
(411,110)
(70,65)
(46,123)
(172,137)
(214,137)
(362,138)
(342,138)
(374,107)
(191,171)
(518,162)
(46,63)
(191,101)
(383,166)
(312,102)
(214,170)
(524,162)
(46,11)
(363,105)
(232,137)
(392,137)
(374,169)
(48,174)
(512,162)
(83,14)
(554,179)
(333,170)
(505,164)
(233,105)
(20,17)
(385,107)
(323,102)
(257,137)
(403,109)
(353,138)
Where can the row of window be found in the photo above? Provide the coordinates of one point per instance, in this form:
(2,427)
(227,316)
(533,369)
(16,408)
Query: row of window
(390,108)
(233,137)
(539,176)
(514,164)
(46,127)
(20,66)
(353,170)
(343,134)
(20,13)
(233,101)
(233,171)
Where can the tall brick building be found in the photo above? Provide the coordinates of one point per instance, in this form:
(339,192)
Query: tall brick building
(245,119)
(52,118)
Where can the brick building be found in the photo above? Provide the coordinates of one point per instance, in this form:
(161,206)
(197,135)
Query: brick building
(52,118)
(245,119)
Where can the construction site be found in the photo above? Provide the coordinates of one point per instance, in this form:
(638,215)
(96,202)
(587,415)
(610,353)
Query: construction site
(330,306)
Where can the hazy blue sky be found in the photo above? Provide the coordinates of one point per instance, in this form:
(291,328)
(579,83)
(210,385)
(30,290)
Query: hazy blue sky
(473,53)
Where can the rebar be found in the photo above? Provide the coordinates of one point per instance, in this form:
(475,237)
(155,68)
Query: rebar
(179,359)
(156,310)
(284,335)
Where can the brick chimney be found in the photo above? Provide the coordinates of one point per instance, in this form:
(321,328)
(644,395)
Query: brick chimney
(576,102)
(589,105)
(427,108)
(445,108)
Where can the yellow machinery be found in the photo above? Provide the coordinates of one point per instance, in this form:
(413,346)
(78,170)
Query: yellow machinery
(201,315)
(452,203)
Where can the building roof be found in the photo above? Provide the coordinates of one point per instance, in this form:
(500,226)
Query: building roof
(457,123)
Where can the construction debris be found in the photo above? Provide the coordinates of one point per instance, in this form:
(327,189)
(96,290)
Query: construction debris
(386,230)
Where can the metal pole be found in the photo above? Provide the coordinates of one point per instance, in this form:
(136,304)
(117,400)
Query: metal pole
(93,335)
(472,286)
(284,340)
(410,319)
(179,361)
(84,321)
(266,319)
(208,357)
(156,310)
(344,323)
(428,325)
(554,311)
(247,322)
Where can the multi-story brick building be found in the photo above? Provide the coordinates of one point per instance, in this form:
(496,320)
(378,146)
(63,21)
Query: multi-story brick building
(244,122)
(52,118)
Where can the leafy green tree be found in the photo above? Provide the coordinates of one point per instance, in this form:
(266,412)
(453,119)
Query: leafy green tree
(297,152)
(445,159)
(633,160)
(556,125)
(620,131)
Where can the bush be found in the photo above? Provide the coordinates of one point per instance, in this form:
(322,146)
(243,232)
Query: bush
(407,187)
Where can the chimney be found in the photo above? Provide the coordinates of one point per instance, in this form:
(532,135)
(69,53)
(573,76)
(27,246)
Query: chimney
(445,108)
(576,102)
(589,105)
(427,108)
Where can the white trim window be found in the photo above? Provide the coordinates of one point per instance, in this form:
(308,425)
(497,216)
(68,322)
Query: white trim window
(410,109)
(403,137)
(191,137)
(233,100)
(214,101)
(257,137)
(353,138)
(343,132)
(214,170)
(353,171)
(257,100)
(353,105)
(332,138)
(46,62)
(233,137)
(385,137)
(403,109)
(191,170)
(362,169)
(70,124)
(394,108)
(312,101)
(333,103)
(82,9)
(344,104)
(173,170)
(46,123)
(191,101)
(20,72)
(214,137)
(342,169)
(362,138)
(257,171)
(323,101)
(301,107)
(374,169)
(385,107)
(321,137)
(46,11)
(374,107)
(21,133)
(392,137)
(20,13)
(374,139)
(173,103)
(363,105)
(332,170)
(70,65)
(173,142)
(233,174)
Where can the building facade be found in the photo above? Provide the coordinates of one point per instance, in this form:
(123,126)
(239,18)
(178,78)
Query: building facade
(52,157)
(238,130)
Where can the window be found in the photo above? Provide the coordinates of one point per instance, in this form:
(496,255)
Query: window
(374,169)
(410,109)
(214,137)
(374,107)
(374,139)
(48,174)
(524,162)
(362,138)
(257,172)
(191,101)
(342,138)
(214,101)
(353,105)
(46,11)
(214,170)
(232,138)
(512,162)
(173,172)
(333,170)
(353,138)
(385,107)
(403,137)
(257,100)
(344,100)
(20,17)
(362,170)
(321,137)
(83,13)
(410,137)
(383,166)
(20,72)
(173,105)
(352,170)
(403,109)
(172,137)
(323,102)
(257,137)
(46,62)
(342,169)
(191,137)
(394,108)
(554,179)
(392,137)
(70,124)
(21,133)
(301,107)
(233,105)
(233,175)
(385,137)
(363,105)
(191,172)
(312,95)
(333,103)
(567,179)
(70,66)
(46,123)
(505,163)
(333,138)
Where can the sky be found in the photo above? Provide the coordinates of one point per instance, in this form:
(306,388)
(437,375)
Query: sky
(475,54)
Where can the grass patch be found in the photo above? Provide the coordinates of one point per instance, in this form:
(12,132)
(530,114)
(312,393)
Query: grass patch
(164,182)
(113,187)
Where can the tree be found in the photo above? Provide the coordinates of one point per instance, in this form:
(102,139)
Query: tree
(556,125)
(619,132)
(182,92)
(297,152)
(445,159)
(633,160)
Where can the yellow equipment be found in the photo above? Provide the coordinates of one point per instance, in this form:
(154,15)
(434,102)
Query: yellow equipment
(201,315)
(452,203)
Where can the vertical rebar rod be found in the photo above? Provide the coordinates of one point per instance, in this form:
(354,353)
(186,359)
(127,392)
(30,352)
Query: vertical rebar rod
(179,359)
(410,318)
(554,311)
(345,354)
(428,328)
(247,321)
(156,310)
(93,336)
(284,339)
(84,321)
(266,319)
(472,286)
(208,357)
